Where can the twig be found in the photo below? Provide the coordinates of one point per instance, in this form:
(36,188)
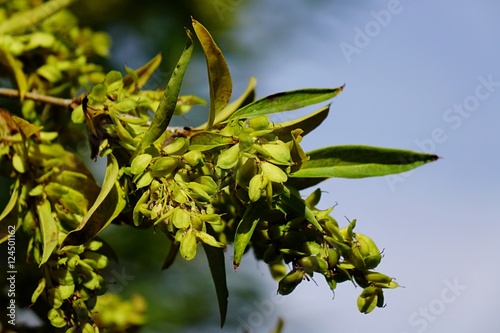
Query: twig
(13,93)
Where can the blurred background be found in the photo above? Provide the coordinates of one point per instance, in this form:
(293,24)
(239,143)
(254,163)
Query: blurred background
(419,75)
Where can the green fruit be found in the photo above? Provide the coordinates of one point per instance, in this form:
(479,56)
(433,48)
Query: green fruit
(290,281)
(368,299)
(259,123)
(229,157)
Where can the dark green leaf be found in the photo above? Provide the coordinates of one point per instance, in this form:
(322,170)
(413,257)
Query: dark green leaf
(168,102)
(285,101)
(215,257)
(109,203)
(356,161)
(4,222)
(16,70)
(307,124)
(219,78)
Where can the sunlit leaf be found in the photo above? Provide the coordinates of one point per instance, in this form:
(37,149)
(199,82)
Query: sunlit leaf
(136,79)
(355,161)
(219,78)
(109,203)
(48,227)
(285,101)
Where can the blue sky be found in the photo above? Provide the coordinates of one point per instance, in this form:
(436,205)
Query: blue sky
(428,80)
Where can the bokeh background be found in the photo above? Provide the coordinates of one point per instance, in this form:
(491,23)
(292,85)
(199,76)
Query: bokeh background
(419,75)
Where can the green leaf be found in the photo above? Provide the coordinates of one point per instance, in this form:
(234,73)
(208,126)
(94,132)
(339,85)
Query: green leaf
(215,257)
(26,20)
(108,204)
(285,101)
(48,226)
(168,102)
(4,222)
(136,79)
(245,230)
(307,124)
(355,161)
(16,70)
(219,78)
(247,97)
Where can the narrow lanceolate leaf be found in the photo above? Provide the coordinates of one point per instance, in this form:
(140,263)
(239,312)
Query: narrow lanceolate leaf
(15,69)
(286,101)
(108,204)
(247,97)
(26,20)
(219,78)
(168,102)
(136,79)
(48,226)
(356,161)
(4,222)
(245,230)
(215,257)
(307,124)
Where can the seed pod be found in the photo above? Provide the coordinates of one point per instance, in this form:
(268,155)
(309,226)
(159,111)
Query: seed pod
(273,173)
(95,260)
(289,282)
(259,122)
(145,179)
(56,317)
(209,239)
(181,218)
(368,299)
(278,152)
(193,157)
(188,244)
(278,270)
(164,167)
(255,187)
(246,142)
(272,254)
(140,163)
(380,280)
(368,250)
(208,184)
(245,171)
(62,276)
(177,147)
(229,157)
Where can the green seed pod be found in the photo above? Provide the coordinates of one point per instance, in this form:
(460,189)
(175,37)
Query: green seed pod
(188,244)
(193,157)
(62,276)
(333,257)
(94,281)
(140,163)
(164,166)
(368,299)
(255,187)
(278,270)
(272,172)
(56,317)
(246,142)
(208,184)
(293,239)
(209,239)
(289,282)
(38,291)
(246,169)
(88,328)
(95,260)
(380,280)
(229,158)
(145,179)
(272,254)
(181,218)
(368,250)
(259,123)
(278,152)
(177,147)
